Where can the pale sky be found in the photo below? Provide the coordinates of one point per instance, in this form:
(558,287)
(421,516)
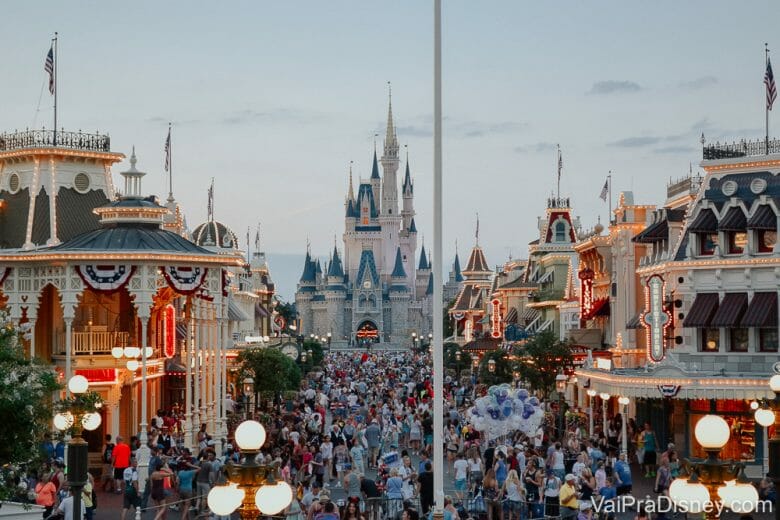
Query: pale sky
(274,99)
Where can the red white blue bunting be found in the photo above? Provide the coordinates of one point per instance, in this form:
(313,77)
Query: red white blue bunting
(458,316)
(105,278)
(669,390)
(225,282)
(184,280)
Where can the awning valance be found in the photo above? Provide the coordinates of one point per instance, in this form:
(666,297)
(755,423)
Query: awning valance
(762,311)
(763,218)
(734,220)
(705,222)
(654,232)
(529,314)
(261,312)
(730,311)
(235,313)
(703,309)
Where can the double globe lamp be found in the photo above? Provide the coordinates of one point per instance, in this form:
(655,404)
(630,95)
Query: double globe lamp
(131,354)
(271,494)
(708,479)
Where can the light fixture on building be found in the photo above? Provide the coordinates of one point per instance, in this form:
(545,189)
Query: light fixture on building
(604,396)
(250,479)
(754,405)
(491,366)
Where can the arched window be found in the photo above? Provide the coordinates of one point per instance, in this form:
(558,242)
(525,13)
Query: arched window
(560,231)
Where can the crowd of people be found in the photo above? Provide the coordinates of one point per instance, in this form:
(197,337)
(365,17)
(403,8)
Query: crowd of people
(356,444)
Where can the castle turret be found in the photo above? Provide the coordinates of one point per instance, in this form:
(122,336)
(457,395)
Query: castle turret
(390,163)
(408,195)
(376,180)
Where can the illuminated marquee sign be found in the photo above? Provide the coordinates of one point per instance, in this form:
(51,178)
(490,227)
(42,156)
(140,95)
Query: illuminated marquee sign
(656,319)
(495,318)
(169,342)
(586,293)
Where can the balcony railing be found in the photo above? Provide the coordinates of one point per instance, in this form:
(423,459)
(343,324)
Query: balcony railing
(93,343)
(741,149)
(48,139)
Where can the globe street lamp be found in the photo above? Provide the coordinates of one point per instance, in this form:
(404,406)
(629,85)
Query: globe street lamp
(560,387)
(330,337)
(414,340)
(591,395)
(623,400)
(491,364)
(457,362)
(75,414)
(254,489)
(249,392)
(713,480)
(774,442)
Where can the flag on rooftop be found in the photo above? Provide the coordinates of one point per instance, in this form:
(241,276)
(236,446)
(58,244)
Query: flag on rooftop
(49,68)
(769,81)
(604,190)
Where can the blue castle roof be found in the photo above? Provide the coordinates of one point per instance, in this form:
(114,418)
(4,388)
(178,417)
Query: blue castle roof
(429,289)
(336,269)
(423,260)
(309,270)
(398,269)
(367,268)
(456,269)
(375,168)
(365,191)
(412,227)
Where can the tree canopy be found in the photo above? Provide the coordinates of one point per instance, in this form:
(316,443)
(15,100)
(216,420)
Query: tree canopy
(271,370)
(541,359)
(26,388)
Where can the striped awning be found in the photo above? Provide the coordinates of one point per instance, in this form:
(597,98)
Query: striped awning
(511,316)
(546,277)
(261,312)
(181,331)
(762,311)
(529,314)
(235,313)
(734,220)
(730,311)
(703,309)
(763,218)
(653,233)
(705,222)
(635,322)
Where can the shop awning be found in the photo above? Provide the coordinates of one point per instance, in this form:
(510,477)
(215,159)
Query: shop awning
(762,311)
(702,310)
(181,331)
(734,220)
(705,222)
(730,311)
(529,314)
(635,322)
(261,312)
(654,232)
(511,316)
(173,366)
(601,308)
(763,218)
(546,277)
(235,313)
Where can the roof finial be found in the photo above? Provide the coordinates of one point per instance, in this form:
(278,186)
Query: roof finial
(133,159)
(456,247)
(351,193)
(211,201)
(257,238)
(476,235)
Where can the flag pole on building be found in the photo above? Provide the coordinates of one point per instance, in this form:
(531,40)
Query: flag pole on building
(560,166)
(169,164)
(771,93)
(50,66)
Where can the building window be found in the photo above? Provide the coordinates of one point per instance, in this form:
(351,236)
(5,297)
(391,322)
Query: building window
(710,340)
(739,339)
(365,221)
(560,232)
(766,240)
(737,241)
(707,243)
(767,339)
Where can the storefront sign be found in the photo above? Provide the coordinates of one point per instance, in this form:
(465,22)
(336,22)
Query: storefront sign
(656,318)
(98,375)
(169,341)
(586,293)
(495,318)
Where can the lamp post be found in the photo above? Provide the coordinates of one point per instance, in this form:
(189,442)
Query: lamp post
(330,338)
(254,489)
(766,417)
(560,387)
(604,401)
(491,364)
(713,480)
(414,340)
(77,413)
(623,400)
(249,391)
(591,395)
(457,363)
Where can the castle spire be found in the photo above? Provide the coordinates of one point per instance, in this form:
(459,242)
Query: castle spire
(375,170)
(391,140)
(351,194)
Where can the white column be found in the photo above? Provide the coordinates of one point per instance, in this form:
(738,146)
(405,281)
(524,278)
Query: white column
(623,431)
(68,353)
(203,341)
(34,185)
(53,240)
(188,342)
(196,368)
(143,453)
(218,386)
(113,412)
(212,394)
(32,321)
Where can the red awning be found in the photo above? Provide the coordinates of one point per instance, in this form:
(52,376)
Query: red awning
(730,310)
(702,310)
(601,308)
(762,311)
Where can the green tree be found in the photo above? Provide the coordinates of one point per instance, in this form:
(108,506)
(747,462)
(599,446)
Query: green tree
(287,311)
(542,358)
(271,370)
(449,329)
(503,369)
(26,387)
(317,355)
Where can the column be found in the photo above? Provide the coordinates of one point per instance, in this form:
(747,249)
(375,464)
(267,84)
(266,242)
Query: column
(188,341)
(212,395)
(113,415)
(68,353)
(143,453)
(196,368)
(203,341)
(32,321)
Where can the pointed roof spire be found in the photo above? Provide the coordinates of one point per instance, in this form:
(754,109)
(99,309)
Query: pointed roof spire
(391,140)
(429,289)
(336,269)
(423,259)
(476,234)
(351,193)
(398,269)
(407,176)
(375,168)
(456,266)
(309,269)
(412,227)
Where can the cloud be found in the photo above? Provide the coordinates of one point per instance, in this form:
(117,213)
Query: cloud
(699,83)
(162,121)
(675,150)
(275,115)
(614,87)
(480,129)
(636,142)
(413,131)
(536,147)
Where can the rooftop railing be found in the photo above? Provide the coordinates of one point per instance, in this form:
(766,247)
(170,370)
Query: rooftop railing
(54,139)
(742,148)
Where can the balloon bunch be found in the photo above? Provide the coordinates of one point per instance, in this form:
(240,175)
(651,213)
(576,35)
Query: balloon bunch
(504,410)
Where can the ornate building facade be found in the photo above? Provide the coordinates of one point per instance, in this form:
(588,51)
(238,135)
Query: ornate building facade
(373,289)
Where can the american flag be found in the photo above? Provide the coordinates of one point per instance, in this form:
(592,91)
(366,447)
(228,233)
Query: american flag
(769,81)
(604,191)
(49,67)
(168,150)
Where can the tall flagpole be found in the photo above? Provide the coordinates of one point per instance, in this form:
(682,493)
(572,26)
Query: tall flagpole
(438,300)
(170,165)
(766,103)
(56,89)
(609,216)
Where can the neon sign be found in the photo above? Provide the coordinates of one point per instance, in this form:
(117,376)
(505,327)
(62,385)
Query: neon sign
(656,319)
(169,338)
(586,293)
(495,318)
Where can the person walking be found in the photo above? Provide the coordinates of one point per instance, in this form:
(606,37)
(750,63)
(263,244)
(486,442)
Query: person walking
(512,491)
(650,442)
(568,499)
(490,492)
(46,494)
(158,476)
(461,469)
(120,460)
(552,490)
(131,497)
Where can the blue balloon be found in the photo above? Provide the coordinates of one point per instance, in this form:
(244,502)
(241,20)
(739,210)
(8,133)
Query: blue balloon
(522,394)
(507,409)
(534,401)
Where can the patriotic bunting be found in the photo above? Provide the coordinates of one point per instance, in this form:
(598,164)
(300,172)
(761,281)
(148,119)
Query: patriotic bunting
(105,278)
(184,280)
(458,316)
(669,390)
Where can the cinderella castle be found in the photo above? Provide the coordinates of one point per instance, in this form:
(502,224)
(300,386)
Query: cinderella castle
(376,290)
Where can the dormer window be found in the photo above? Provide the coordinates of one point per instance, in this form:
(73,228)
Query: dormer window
(560,231)
(766,240)
(737,240)
(763,224)
(707,243)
